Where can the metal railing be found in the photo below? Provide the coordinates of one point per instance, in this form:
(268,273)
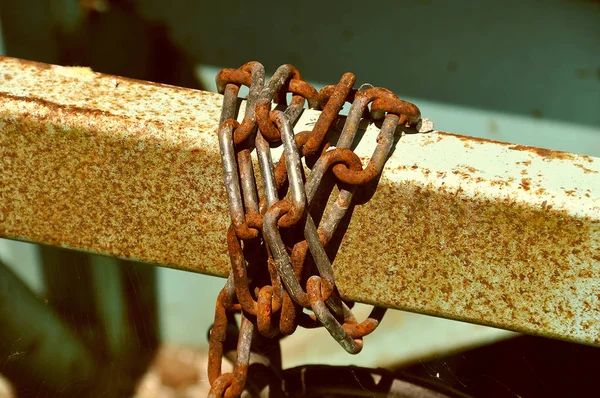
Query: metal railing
(464,228)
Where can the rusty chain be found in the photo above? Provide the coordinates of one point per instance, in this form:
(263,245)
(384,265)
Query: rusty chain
(277,251)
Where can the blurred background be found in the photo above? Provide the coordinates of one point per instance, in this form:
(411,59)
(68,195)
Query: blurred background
(525,71)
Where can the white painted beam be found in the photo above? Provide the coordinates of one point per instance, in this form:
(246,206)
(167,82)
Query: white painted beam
(459,227)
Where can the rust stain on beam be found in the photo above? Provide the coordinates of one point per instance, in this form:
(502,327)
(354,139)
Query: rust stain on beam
(111,165)
(459,227)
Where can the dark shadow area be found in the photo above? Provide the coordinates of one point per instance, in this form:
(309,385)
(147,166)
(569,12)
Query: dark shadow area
(525,366)
(353,381)
(518,57)
(110,36)
(92,334)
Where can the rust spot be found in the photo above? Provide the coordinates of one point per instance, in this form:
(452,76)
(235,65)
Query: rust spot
(526,183)
(461,173)
(446,289)
(501,183)
(546,153)
(8,76)
(585,169)
(59,108)
(469,139)
(470,168)
(504,247)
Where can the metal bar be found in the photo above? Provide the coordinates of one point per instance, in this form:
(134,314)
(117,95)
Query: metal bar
(459,227)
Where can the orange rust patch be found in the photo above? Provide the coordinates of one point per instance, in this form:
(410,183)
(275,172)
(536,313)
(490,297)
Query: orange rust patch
(477,140)
(526,184)
(546,153)
(462,174)
(469,168)
(94,180)
(464,257)
(502,183)
(585,169)
(524,163)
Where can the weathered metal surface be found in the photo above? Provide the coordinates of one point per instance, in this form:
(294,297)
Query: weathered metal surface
(111,165)
(482,231)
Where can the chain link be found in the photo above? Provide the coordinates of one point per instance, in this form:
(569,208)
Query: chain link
(279,264)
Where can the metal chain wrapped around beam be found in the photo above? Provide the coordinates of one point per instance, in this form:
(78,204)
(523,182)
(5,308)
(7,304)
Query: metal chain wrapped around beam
(273,277)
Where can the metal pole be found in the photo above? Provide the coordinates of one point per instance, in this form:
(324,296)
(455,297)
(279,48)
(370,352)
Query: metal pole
(470,229)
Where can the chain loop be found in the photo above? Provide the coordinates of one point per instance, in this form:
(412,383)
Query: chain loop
(277,251)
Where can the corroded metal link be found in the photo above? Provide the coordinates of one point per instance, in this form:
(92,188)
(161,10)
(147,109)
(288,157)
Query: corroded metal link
(335,329)
(271,291)
(240,277)
(280,254)
(409,113)
(231,385)
(298,255)
(236,77)
(359,330)
(219,330)
(385,140)
(340,154)
(263,107)
(252,75)
(305,90)
(329,114)
(311,141)
(249,192)
(267,172)
(291,265)
(248,125)
(221,385)
(229,103)
(280,298)
(294,169)
(327,92)
(281,169)
(232,185)
(286,78)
